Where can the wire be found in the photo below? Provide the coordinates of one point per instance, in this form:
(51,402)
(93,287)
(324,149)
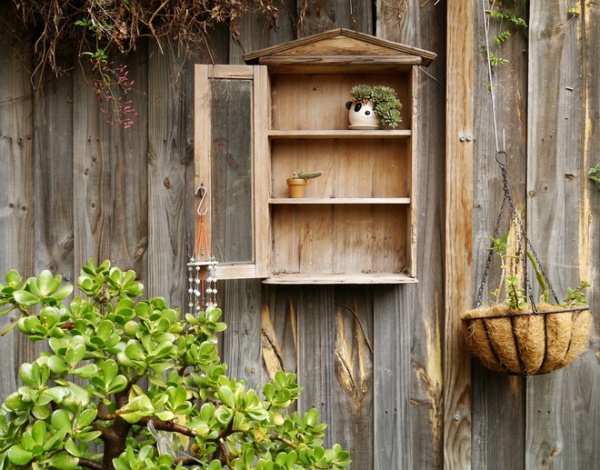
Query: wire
(490,76)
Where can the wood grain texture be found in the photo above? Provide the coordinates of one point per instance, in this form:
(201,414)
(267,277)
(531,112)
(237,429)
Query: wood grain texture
(17,192)
(458,233)
(322,15)
(498,401)
(392,383)
(423,24)
(110,179)
(168,165)
(563,407)
(53,176)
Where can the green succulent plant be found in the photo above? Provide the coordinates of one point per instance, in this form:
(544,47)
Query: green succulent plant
(303,175)
(386,104)
(130,384)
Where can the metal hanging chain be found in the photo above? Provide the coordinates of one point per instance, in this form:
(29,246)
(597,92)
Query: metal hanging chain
(524,245)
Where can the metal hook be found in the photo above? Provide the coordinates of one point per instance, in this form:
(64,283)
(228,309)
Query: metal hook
(502,164)
(201,193)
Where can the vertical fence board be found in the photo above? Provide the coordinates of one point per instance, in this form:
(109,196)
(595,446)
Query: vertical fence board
(498,400)
(322,15)
(168,212)
(352,407)
(241,344)
(53,172)
(420,306)
(17,195)
(458,232)
(110,184)
(392,436)
(563,407)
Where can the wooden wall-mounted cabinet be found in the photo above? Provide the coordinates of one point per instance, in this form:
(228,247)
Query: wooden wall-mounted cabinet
(256,124)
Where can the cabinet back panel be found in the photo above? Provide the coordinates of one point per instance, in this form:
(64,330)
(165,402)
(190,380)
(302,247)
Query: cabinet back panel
(318,101)
(339,239)
(351,168)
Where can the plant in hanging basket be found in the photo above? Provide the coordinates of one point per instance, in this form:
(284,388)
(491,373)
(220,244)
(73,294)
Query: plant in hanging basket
(527,338)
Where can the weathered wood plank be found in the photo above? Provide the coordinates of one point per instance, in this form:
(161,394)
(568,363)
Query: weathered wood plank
(458,234)
(53,175)
(255,32)
(168,213)
(17,193)
(392,359)
(498,401)
(563,407)
(110,183)
(352,407)
(335,364)
(322,15)
(241,343)
(279,331)
(425,304)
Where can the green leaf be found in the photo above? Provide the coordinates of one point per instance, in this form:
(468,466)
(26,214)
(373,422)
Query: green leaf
(25,298)
(223,415)
(227,396)
(47,283)
(41,412)
(64,461)
(63,292)
(86,371)
(61,420)
(88,436)
(57,365)
(118,384)
(19,456)
(311,417)
(38,432)
(86,417)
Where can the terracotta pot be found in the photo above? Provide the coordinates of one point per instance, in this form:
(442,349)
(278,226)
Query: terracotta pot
(297,187)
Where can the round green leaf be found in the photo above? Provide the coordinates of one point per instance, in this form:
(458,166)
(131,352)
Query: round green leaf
(227,396)
(64,461)
(19,456)
(61,420)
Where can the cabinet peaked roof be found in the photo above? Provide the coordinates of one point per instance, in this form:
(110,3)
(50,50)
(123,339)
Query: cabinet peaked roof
(340,45)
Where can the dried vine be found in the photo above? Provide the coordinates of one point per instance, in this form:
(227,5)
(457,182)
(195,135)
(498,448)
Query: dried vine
(97,31)
(99,28)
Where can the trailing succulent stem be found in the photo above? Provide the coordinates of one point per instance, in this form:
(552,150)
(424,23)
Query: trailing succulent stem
(515,294)
(129,384)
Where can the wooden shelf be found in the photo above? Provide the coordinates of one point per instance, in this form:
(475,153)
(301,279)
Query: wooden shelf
(346,278)
(341,200)
(339,134)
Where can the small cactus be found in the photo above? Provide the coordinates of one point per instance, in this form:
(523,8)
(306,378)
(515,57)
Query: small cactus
(301,174)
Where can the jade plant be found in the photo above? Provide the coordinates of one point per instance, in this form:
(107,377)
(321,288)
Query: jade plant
(126,383)
(386,104)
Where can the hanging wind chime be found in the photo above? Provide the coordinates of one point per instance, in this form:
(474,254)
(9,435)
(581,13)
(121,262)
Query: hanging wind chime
(202,267)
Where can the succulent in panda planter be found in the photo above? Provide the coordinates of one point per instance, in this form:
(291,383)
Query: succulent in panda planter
(373,107)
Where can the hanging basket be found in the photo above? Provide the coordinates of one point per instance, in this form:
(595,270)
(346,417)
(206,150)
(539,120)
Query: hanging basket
(527,342)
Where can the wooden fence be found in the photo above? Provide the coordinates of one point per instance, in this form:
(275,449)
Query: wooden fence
(384,365)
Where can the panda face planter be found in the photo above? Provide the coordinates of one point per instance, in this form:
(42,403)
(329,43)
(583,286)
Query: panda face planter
(362,116)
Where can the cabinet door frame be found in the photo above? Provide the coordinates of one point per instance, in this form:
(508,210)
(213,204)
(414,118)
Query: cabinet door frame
(259,266)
